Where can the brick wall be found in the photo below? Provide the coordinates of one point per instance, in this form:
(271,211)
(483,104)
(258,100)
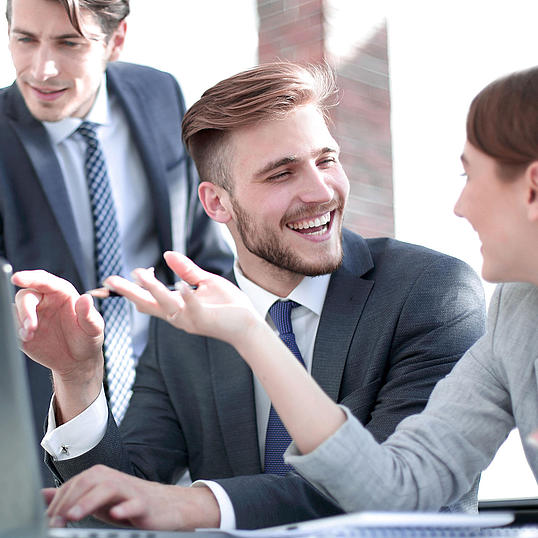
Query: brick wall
(298,30)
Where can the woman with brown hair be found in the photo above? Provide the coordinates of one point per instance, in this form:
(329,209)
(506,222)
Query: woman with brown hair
(434,457)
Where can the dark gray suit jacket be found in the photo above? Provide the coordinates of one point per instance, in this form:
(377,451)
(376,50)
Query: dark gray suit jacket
(395,320)
(37,223)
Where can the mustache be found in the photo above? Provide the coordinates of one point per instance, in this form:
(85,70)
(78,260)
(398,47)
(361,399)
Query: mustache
(52,84)
(310,211)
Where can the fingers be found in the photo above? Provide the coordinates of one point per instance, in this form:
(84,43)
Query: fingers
(48,494)
(169,302)
(185,268)
(35,286)
(131,509)
(143,299)
(105,493)
(43,282)
(65,498)
(88,493)
(89,319)
(26,303)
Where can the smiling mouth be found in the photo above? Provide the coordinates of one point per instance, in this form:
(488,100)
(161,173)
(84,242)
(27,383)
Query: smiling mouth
(314,226)
(47,93)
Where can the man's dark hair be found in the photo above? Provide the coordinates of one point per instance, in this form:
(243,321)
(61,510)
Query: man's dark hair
(108,13)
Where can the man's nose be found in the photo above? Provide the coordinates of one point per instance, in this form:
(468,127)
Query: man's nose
(317,186)
(44,65)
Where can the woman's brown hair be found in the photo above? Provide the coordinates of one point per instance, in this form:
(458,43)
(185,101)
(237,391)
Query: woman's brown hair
(503,122)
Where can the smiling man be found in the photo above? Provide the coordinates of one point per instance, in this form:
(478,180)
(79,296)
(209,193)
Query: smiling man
(377,322)
(141,184)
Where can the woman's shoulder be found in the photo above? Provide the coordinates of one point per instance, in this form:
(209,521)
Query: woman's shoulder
(514,295)
(513,317)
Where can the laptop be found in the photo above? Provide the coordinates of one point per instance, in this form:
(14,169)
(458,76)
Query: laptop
(22,509)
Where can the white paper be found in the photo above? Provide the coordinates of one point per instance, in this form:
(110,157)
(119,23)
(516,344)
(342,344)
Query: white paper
(379,520)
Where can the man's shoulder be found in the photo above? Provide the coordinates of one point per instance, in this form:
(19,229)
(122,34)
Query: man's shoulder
(382,248)
(7,95)
(149,86)
(393,257)
(127,71)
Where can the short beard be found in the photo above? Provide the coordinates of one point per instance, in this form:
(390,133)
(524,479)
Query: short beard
(268,247)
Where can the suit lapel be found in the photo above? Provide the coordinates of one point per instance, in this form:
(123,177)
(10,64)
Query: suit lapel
(35,140)
(346,296)
(234,398)
(233,388)
(147,142)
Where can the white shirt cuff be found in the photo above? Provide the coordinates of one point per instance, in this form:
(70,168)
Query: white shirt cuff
(227,514)
(80,434)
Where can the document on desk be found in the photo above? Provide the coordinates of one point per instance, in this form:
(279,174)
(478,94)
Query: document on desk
(379,520)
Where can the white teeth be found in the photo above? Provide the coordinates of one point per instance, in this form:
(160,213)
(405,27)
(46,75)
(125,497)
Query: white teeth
(318,221)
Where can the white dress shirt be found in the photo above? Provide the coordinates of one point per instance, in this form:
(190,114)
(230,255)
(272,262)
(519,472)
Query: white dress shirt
(69,441)
(130,191)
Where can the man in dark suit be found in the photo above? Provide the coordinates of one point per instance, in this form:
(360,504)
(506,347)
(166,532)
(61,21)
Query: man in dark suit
(378,322)
(60,51)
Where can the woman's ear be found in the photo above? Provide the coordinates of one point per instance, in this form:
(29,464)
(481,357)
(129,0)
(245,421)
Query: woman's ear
(531,178)
(215,200)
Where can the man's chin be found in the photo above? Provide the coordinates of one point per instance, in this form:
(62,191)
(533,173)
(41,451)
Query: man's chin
(46,113)
(315,268)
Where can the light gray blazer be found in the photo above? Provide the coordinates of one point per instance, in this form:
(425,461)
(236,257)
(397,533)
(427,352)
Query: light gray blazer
(435,456)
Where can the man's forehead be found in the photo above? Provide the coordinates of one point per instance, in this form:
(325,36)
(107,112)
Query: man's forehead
(27,15)
(298,130)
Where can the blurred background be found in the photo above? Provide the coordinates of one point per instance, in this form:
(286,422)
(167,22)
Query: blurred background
(407,70)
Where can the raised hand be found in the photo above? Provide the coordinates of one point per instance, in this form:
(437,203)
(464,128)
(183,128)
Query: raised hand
(63,331)
(216,308)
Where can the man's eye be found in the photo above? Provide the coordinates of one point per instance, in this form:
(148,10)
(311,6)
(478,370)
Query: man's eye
(280,175)
(24,40)
(70,44)
(327,160)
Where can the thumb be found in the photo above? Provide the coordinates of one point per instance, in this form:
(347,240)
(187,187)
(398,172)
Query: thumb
(185,268)
(89,319)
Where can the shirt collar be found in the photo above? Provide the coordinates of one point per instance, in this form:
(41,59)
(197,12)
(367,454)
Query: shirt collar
(310,292)
(99,114)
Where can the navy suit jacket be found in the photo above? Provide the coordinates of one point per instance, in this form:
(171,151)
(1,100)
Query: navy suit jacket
(396,318)
(37,223)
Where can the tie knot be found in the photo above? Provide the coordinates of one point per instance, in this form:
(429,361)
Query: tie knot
(89,131)
(280,313)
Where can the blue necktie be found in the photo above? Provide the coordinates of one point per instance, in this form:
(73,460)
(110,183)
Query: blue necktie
(115,310)
(277,437)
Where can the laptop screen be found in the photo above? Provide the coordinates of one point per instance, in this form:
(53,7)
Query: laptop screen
(21,505)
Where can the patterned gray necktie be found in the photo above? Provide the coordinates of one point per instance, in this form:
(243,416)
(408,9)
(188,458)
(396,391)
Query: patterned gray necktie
(277,437)
(118,349)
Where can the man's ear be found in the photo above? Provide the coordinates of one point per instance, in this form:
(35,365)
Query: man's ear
(117,40)
(215,200)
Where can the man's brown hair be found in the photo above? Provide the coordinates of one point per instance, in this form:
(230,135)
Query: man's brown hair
(265,92)
(503,122)
(108,13)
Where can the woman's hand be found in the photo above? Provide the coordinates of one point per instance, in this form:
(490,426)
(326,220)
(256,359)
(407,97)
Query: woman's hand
(216,308)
